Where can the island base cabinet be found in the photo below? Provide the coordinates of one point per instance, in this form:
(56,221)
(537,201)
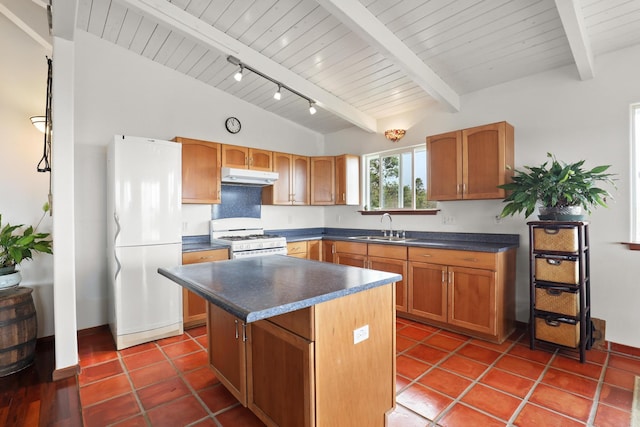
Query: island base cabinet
(332,364)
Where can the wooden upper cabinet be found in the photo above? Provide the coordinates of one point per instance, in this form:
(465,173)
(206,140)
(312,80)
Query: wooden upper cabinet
(470,163)
(444,166)
(261,160)
(292,186)
(323,173)
(200,171)
(487,160)
(235,156)
(347,180)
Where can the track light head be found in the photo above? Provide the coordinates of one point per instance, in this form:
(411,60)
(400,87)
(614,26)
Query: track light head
(312,108)
(238,75)
(278,95)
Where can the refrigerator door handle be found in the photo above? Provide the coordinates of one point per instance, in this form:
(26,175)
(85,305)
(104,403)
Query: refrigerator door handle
(115,238)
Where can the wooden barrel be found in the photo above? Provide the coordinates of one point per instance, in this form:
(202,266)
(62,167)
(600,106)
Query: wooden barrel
(18,330)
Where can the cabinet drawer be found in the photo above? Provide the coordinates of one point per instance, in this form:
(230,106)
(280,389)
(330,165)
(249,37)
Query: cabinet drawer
(561,301)
(484,260)
(560,270)
(387,251)
(296,248)
(300,322)
(559,331)
(351,247)
(555,238)
(205,256)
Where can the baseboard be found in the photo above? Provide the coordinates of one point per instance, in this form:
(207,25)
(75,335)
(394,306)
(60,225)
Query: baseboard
(69,371)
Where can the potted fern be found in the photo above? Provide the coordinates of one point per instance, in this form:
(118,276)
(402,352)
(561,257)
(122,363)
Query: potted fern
(561,191)
(18,244)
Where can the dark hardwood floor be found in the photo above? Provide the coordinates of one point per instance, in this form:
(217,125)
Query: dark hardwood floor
(31,398)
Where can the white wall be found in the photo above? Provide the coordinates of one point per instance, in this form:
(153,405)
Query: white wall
(23,77)
(118,92)
(551,112)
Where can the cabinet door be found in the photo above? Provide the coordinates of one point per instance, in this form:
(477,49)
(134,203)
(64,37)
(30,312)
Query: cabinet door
(347,180)
(313,249)
(300,180)
(487,160)
(328,250)
(194,307)
(281,386)
(234,156)
(323,180)
(200,171)
(472,299)
(280,192)
(260,160)
(444,166)
(428,291)
(227,351)
(398,267)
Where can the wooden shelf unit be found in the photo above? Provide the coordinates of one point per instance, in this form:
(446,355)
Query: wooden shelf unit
(560,296)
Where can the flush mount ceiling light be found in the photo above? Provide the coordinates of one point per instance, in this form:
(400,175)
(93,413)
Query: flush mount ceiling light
(277,95)
(394,134)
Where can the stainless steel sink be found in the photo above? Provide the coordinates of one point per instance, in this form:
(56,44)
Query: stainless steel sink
(382,238)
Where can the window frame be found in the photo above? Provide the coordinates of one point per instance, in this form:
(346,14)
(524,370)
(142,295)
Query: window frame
(412,149)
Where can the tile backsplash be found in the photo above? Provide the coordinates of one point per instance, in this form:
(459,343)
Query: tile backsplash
(238,201)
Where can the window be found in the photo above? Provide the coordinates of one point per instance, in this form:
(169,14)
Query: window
(397,179)
(635,170)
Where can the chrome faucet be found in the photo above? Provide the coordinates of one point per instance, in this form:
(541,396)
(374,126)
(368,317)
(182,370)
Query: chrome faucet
(386,215)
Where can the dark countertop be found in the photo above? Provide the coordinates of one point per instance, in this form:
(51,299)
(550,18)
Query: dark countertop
(261,287)
(480,242)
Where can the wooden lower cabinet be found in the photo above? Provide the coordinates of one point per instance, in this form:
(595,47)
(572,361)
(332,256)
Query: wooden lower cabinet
(194,307)
(469,292)
(303,368)
(308,249)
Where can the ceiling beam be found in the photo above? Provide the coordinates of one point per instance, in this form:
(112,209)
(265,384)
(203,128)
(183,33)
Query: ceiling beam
(191,27)
(574,27)
(362,22)
(29,18)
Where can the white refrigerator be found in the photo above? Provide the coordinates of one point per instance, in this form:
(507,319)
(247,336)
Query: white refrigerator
(144,202)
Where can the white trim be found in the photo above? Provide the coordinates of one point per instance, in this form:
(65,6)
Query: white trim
(635,171)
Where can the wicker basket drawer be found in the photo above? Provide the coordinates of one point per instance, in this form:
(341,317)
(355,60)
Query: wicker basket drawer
(558,331)
(554,238)
(558,301)
(560,270)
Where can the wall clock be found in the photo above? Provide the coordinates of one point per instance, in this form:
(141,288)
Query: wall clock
(232,124)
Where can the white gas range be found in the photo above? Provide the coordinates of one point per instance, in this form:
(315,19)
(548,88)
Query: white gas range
(246,237)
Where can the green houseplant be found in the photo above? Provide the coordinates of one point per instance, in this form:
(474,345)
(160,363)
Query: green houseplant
(561,190)
(18,244)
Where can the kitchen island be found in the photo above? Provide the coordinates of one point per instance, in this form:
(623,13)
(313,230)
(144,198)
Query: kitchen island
(300,343)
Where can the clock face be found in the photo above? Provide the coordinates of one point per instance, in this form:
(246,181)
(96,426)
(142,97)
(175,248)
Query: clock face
(232,124)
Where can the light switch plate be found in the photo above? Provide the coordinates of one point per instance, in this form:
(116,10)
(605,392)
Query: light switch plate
(360,334)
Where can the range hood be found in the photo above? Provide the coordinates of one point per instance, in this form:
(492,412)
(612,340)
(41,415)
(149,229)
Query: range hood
(247,176)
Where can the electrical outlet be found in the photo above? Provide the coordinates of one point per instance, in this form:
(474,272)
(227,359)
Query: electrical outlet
(448,219)
(361,334)
(184,225)
(498,219)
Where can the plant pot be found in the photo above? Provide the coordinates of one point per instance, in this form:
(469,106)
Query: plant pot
(561,213)
(10,280)
(7,269)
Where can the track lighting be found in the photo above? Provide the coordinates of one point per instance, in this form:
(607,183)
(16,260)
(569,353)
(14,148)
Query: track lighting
(238,75)
(278,94)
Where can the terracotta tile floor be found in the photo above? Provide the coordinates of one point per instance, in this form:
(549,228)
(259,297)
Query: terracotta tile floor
(443,379)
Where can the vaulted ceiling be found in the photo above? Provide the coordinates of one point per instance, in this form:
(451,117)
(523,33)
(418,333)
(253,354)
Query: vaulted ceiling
(363,60)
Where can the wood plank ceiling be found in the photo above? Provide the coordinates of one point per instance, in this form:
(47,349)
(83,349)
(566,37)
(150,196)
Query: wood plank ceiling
(340,58)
